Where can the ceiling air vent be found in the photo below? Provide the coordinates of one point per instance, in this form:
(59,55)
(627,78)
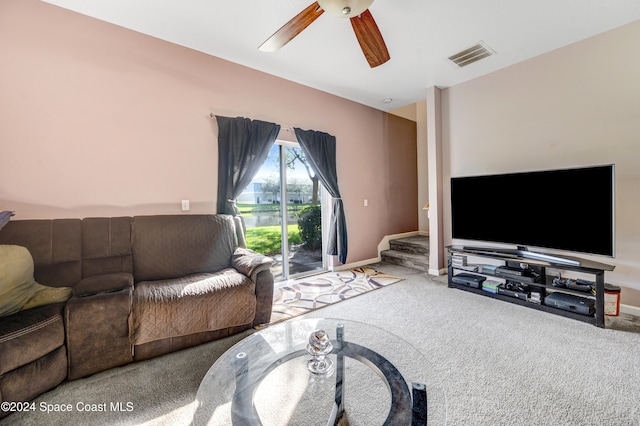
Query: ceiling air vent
(471,55)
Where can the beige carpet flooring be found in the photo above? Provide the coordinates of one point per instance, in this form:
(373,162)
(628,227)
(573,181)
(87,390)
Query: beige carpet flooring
(498,364)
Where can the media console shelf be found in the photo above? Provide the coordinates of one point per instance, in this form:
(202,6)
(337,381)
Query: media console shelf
(533,273)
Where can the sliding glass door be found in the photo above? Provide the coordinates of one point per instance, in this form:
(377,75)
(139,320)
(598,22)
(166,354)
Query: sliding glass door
(283,213)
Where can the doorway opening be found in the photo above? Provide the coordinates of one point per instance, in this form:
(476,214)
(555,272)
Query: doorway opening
(282,211)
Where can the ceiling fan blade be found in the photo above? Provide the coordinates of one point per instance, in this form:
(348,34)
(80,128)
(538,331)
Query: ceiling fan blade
(370,39)
(292,28)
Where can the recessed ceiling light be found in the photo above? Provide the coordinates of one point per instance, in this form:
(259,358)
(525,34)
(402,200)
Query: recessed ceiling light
(387,100)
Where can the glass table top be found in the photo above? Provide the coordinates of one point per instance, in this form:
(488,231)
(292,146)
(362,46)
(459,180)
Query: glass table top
(265,379)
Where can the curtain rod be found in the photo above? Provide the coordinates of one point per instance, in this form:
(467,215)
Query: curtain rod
(286,129)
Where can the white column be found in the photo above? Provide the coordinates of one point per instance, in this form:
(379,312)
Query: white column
(423,169)
(434,153)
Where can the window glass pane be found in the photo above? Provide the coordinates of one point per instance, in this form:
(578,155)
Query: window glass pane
(281,208)
(303,214)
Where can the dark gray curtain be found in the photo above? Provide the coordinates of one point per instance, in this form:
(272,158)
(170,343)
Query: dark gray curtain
(243,145)
(320,150)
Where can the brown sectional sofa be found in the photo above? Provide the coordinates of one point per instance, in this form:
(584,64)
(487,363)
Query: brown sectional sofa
(142,286)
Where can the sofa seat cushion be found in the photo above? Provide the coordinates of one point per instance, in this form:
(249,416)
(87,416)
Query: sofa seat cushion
(191,304)
(29,335)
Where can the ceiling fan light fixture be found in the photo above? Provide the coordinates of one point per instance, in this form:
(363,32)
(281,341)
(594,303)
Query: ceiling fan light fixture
(345,8)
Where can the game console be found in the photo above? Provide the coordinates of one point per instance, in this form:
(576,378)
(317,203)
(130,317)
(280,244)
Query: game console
(469,280)
(512,290)
(569,302)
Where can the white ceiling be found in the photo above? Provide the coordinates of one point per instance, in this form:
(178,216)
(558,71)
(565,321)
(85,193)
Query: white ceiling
(420,35)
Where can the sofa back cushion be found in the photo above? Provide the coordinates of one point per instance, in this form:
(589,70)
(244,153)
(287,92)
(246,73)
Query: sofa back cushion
(173,246)
(106,245)
(54,244)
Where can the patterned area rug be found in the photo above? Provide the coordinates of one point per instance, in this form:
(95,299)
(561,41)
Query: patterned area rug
(299,296)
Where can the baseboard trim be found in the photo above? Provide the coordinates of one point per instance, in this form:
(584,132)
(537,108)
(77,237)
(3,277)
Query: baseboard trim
(631,310)
(348,266)
(438,272)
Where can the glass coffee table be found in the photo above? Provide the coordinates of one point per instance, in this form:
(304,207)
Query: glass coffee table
(373,378)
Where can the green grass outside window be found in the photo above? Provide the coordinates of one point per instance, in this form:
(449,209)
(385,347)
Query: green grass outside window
(266,239)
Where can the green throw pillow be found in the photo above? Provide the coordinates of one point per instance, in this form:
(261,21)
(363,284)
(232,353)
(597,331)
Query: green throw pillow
(44,295)
(18,289)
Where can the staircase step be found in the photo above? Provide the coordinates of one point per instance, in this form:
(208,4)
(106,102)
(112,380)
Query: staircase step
(418,244)
(410,260)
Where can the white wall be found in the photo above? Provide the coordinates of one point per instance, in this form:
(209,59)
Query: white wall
(576,106)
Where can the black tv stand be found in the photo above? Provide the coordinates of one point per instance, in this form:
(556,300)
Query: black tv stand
(532,271)
(524,252)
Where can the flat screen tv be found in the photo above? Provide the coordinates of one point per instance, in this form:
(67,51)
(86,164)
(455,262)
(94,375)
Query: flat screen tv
(567,209)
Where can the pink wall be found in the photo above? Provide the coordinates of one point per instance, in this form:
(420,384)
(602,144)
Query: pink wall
(576,106)
(96,120)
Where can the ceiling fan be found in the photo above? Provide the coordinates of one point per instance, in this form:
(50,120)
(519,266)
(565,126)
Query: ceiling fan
(364,26)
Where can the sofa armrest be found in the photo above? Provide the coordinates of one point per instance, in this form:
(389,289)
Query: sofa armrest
(264,298)
(250,263)
(97,331)
(103,283)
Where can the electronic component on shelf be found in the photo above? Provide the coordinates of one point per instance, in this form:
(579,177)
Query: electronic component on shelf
(468,280)
(515,289)
(506,271)
(511,293)
(569,302)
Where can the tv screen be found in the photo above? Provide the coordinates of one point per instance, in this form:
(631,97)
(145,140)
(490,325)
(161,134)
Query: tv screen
(568,209)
